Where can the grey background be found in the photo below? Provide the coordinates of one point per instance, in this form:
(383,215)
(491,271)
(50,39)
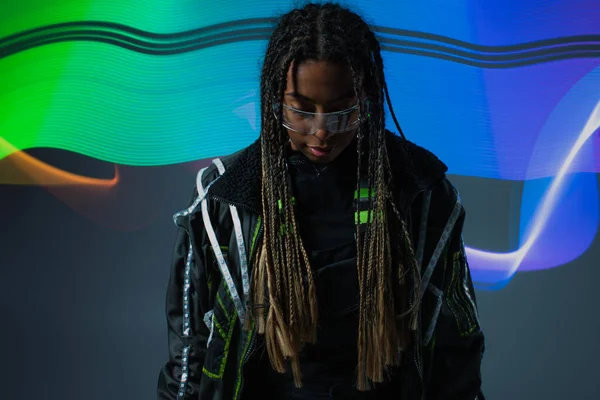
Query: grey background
(82,305)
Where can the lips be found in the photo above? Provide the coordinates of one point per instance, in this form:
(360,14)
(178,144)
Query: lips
(320,151)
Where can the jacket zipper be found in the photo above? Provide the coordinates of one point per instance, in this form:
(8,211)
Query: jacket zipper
(415,339)
(416,334)
(253,338)
(250,262)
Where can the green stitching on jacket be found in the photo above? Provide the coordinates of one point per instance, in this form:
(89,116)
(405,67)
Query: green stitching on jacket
(463,295)
(238,384)
(460,295)
(210,374)
(219,328)
(456,303)
(255,236)
(450,293)
(219,375)
(220,301)
(232,321)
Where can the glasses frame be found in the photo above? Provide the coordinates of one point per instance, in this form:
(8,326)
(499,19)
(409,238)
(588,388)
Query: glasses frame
(287,125)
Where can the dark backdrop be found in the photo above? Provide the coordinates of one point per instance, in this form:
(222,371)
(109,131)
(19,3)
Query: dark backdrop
(83,304)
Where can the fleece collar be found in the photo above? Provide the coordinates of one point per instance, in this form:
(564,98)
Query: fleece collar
(414,169)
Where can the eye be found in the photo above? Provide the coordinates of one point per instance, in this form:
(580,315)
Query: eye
(299,111)
(345,106)
(303,108)
(302,114)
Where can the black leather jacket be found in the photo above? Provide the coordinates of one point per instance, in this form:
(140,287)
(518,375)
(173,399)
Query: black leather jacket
(208,345)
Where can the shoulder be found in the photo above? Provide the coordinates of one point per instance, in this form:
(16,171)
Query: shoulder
(235,171)
(425,174)
(446,204)
(234,179)
(209,175)
(413,164)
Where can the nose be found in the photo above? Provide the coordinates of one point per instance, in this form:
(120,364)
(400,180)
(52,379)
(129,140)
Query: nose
(322,134)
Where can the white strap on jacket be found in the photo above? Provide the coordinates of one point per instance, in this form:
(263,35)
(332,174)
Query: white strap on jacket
(440,245)
(427,273)
(239,238)
(439,298)
(239,304)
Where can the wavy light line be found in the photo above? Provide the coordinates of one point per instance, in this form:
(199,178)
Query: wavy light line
(43,174)
(118,203)
(266,25)
(499,261)
(407,42)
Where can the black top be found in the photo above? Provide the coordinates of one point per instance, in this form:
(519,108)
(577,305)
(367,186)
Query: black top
(325,213)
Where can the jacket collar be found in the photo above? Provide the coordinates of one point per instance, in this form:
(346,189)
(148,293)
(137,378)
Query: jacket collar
(414,169)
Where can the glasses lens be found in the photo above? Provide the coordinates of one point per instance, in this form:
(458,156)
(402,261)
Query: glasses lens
(310,123)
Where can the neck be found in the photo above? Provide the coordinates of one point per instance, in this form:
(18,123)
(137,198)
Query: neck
(345,163)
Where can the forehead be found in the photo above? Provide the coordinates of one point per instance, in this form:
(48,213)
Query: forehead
(320,81)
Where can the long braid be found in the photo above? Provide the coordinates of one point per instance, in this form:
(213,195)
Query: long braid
(286,327)
(404,234)
(362,251)
(283,281)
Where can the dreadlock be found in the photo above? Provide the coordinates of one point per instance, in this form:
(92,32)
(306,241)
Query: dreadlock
(282,279)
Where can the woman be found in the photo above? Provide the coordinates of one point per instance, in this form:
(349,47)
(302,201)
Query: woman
(325,260)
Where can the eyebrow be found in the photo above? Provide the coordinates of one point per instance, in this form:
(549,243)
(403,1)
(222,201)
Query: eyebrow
(302,97)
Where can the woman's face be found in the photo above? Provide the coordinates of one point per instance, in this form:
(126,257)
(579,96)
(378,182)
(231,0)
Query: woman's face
(320,87)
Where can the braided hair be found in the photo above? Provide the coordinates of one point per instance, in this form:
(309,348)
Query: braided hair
(282,279)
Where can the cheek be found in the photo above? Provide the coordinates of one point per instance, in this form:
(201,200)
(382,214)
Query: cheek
(296,140)
(348,138)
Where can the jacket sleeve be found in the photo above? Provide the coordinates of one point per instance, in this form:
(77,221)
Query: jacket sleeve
(459,342)
(186,303)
